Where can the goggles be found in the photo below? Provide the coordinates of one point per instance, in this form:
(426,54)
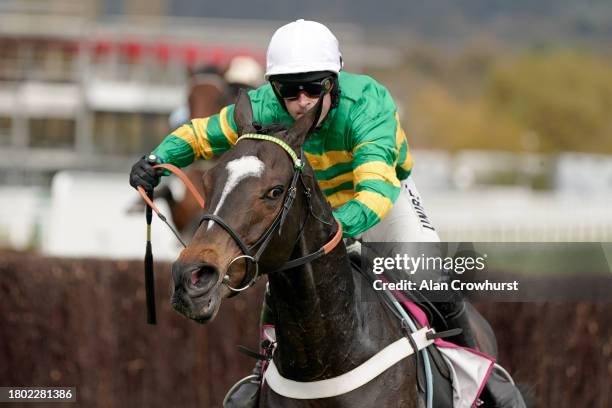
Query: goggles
(291,90)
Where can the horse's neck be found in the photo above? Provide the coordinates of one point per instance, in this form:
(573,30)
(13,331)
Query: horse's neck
(323,328)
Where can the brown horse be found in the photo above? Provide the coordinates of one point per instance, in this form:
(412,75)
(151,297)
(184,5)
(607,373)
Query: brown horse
(323,329)
(207,95)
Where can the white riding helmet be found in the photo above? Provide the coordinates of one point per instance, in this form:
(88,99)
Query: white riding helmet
(303,46)
(244,70)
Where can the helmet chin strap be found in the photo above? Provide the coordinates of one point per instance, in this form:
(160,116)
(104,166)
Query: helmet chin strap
(319,107)
(334,93)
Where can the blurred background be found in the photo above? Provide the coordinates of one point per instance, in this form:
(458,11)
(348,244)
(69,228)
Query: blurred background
(507,107)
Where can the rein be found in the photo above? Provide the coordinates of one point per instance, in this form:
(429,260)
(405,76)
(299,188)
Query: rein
(247,253)
(151,206)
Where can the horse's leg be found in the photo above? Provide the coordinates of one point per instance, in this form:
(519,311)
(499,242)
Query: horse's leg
(136,207)
(139,205)
(165,193)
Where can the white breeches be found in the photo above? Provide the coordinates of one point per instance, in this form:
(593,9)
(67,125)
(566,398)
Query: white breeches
(406,222)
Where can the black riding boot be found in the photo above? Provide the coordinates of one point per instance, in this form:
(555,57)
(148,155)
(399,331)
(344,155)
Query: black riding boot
(499,391)
(245,393)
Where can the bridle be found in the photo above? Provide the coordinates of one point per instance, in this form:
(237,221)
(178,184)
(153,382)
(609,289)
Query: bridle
(277,225)
(262,242)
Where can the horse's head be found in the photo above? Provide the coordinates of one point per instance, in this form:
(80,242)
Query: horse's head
(245,194)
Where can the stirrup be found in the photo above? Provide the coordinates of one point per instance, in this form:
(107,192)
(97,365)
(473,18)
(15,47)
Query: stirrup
(504,372)
(501,391)
(248,378)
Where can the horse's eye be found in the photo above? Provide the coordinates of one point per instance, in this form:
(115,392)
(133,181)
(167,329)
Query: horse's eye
(275,192)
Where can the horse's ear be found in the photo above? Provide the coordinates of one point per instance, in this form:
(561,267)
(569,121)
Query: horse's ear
(304,125)
(243,113)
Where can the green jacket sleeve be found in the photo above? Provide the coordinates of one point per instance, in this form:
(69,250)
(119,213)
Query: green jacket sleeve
(374,134)
(202,138)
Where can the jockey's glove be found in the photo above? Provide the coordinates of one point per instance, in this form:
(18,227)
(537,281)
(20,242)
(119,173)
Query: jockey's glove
(143,174)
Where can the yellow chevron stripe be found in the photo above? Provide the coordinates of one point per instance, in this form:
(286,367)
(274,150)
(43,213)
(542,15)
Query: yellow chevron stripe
(400,137)
(408,163)
(186,133)
(228,132)
(340,198)
(200,125)
(328,159)
(376,171)
(336,181)
(360,145)
(375,202)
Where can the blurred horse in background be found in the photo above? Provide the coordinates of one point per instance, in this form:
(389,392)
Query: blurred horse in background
(210,90)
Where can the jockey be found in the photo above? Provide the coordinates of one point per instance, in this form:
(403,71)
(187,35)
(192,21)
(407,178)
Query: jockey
(358,151)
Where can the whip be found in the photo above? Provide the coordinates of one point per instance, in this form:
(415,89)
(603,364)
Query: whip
(149,209)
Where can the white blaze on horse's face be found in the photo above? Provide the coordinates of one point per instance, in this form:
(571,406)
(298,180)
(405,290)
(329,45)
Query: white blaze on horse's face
(238,170)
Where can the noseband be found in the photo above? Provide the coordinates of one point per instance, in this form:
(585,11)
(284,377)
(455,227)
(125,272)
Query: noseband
(277,224)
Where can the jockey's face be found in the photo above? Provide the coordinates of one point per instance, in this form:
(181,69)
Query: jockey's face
(303,103)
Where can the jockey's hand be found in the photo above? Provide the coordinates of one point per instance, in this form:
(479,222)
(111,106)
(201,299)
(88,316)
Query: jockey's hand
(143,174)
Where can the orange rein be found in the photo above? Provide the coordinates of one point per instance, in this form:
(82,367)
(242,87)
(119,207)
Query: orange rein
(327,248)
(179,173)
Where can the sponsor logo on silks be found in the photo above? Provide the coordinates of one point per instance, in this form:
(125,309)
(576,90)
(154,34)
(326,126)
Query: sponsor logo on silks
(416,202)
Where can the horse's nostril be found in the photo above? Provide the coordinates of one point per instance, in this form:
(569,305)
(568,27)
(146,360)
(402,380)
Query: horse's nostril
(203,275)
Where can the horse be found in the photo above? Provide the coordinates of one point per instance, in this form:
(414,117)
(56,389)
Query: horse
(206,98)
(259,201)
(208,93)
